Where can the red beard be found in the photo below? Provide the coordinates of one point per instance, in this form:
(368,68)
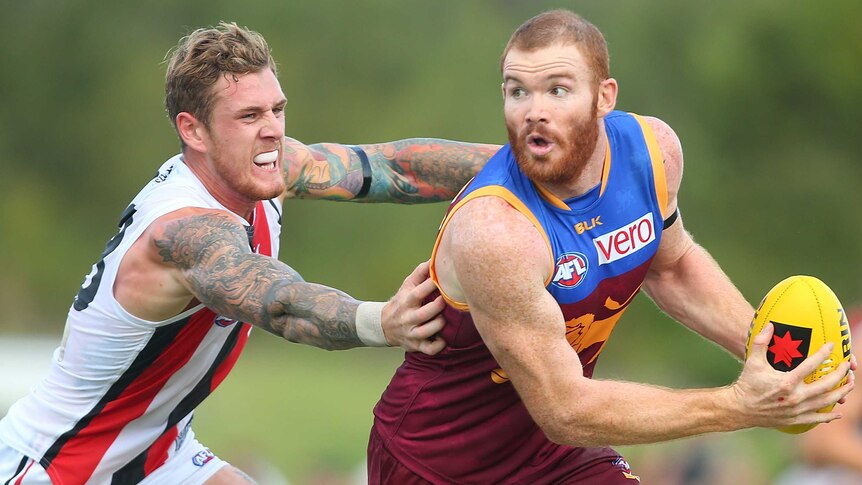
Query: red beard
(569,158)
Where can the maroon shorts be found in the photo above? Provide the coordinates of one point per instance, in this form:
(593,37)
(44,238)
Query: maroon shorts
(609,469)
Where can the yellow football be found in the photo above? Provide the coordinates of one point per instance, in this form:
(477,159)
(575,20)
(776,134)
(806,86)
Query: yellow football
(806,315)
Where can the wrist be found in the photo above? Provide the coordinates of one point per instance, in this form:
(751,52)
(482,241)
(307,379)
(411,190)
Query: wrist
(369,324)
(732,412)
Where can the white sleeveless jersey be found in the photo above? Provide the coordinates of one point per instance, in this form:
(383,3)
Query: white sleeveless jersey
(121,390)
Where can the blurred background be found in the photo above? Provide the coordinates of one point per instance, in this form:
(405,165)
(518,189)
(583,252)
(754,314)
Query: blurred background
(766,97)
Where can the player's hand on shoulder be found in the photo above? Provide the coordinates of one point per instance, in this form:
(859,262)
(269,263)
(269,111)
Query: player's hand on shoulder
(771,398)
(408,320)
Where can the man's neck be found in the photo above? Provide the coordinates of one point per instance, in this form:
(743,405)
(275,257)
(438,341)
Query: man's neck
(202,169)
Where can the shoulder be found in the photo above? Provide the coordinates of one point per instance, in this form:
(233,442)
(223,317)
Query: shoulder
(196,218)
(182,237)
(173,188)
(487,235)
(671,150)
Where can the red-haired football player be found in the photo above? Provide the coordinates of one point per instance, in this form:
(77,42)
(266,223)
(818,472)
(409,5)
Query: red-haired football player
(537,259)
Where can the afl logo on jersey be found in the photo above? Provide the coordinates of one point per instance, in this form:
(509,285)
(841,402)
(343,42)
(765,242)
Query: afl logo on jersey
(223,321)
(571,269)
(203,457)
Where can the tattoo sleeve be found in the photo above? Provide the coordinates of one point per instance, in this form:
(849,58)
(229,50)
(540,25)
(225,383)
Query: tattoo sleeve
(408,171)
(212,252)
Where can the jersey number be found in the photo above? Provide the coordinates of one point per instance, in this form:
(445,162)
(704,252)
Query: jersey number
(87,292)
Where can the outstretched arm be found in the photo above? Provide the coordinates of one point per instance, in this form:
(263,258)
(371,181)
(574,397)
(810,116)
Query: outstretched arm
(500,265)
(208,253)
(684,280)
(406,171)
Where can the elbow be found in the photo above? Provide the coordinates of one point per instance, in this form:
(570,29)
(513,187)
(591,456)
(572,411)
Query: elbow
(565,427)
(571,436)
(557,435)
(574,414)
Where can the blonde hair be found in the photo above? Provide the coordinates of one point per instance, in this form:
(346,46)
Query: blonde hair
(202,57)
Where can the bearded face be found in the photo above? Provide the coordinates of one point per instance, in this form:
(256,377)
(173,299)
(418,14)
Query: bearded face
(551,105)
(550,155)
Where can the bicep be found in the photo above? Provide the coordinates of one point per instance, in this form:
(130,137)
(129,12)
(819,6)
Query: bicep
(675,241)
(211,255)
(501,263)
(527,338)
(523,327)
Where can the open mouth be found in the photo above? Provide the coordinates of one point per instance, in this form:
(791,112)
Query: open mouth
(539,144)
(267,161)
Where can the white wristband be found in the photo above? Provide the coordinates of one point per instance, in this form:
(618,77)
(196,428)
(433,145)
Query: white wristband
(369,325)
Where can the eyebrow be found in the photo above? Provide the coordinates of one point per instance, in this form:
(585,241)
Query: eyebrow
(261,108)
(553,77)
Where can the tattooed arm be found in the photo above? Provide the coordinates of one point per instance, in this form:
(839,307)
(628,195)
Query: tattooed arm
(406,171)
(205,254)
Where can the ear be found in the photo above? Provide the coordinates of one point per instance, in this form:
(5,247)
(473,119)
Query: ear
(503,90)
(607,98)
(192,131)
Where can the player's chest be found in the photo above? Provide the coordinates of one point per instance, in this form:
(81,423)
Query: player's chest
(598,245)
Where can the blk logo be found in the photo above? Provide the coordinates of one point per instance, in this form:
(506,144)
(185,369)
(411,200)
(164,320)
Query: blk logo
(584,226)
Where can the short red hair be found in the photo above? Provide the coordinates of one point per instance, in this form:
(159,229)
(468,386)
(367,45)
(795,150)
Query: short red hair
(567,28)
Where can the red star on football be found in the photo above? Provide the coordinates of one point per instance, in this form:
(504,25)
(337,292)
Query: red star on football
(785,349)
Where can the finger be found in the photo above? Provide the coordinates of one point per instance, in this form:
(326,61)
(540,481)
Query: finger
(813,361)
(830,380)
(813,417)
(430,309)
(852,361)
(419,274)
(432,347)
(429,329)
(761,342)
(851,379)
(827,384)
(422,291)
(848,386)
(832,397)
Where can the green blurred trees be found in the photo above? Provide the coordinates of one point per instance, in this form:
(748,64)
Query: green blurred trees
(765,97)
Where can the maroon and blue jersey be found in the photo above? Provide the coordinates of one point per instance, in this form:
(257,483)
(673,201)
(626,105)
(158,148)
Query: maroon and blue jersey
(455,417)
